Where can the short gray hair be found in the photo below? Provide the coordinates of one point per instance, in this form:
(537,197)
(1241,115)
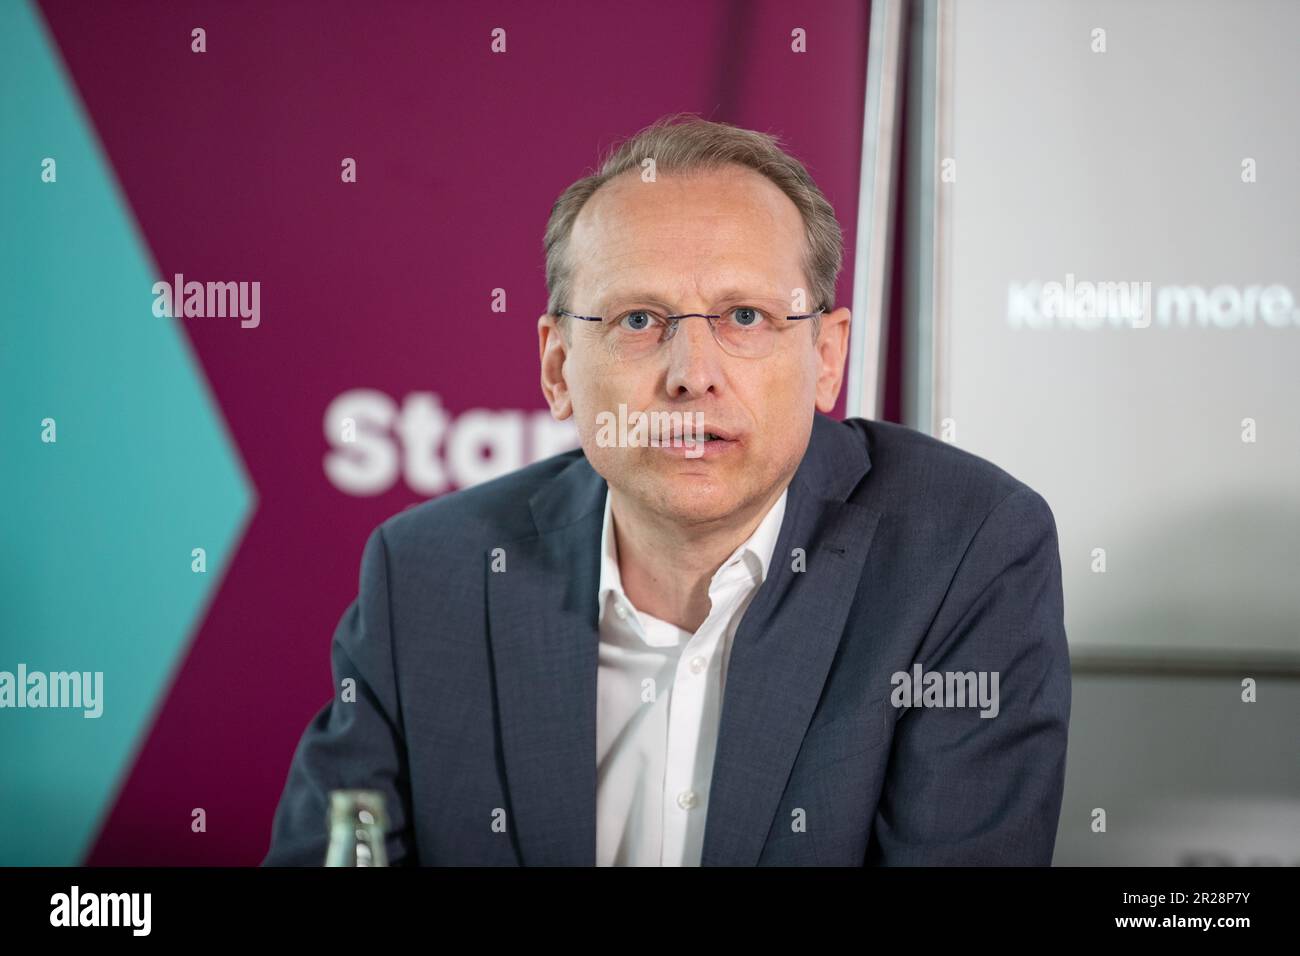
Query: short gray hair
(685,143)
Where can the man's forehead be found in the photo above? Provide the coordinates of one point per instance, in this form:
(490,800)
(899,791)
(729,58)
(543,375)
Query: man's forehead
(713,233)
(672,291)
(727,193)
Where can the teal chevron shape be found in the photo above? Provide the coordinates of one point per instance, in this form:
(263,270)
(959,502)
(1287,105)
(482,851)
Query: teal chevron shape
(96,529)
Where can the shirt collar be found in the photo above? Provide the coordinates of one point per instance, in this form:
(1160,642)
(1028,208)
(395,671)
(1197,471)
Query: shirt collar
(756,550)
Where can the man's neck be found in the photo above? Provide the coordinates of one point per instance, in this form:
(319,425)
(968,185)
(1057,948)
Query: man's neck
(666,568)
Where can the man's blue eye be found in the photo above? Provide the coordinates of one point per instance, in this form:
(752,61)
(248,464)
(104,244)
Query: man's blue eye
(746,317)
(637,321)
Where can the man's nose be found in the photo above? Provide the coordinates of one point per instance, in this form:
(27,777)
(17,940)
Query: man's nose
(694,358)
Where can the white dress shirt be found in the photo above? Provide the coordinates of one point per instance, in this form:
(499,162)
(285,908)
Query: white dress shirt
(659,700)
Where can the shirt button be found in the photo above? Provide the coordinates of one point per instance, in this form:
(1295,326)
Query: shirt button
(698,663)
(687,799)
(621,611)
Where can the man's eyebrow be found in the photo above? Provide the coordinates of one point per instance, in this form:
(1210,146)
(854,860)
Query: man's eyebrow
(618,299)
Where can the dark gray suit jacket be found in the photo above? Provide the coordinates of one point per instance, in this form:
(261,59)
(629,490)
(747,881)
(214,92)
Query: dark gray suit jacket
(476,689)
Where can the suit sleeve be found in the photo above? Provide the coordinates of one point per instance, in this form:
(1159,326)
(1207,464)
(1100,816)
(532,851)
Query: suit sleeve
(355,741)
(962,789)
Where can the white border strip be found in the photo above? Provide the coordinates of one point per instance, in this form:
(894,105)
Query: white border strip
(871,259)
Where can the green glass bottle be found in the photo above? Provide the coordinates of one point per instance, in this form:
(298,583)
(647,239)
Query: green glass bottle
(357,823)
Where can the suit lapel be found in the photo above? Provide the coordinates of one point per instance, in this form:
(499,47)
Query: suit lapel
(783,649)
(542,625)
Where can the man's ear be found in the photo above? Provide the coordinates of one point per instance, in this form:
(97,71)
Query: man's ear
(832,348)
(553,349)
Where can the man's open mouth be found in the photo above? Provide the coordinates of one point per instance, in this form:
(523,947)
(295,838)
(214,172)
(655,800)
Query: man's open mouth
(689,440)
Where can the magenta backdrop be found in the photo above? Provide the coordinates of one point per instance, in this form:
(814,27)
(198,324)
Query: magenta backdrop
(231,162)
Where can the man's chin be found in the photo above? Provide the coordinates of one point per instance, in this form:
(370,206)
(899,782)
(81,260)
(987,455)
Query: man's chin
(682,490)
(692,500)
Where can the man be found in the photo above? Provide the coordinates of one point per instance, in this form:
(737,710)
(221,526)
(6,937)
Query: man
(764,637)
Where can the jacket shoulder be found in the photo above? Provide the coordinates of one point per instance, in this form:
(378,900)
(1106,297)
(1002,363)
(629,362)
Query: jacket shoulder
(494,511)
(914,471)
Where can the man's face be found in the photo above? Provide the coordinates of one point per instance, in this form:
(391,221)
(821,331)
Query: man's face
(701,243)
